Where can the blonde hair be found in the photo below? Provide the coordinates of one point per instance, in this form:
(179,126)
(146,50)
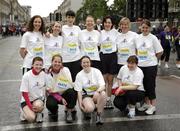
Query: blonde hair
(125,19)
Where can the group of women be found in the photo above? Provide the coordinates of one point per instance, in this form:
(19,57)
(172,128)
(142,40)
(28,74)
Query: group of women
(63,80)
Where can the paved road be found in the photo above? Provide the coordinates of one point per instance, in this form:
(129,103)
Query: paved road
(167,117)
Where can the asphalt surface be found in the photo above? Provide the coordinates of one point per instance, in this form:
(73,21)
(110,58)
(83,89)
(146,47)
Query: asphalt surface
(167,117)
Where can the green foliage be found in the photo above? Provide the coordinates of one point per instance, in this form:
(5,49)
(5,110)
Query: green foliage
(96,8)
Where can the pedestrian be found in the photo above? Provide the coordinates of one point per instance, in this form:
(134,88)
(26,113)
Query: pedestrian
(166,39)
(177,44)
(108,56)
(32,43)
(60,90)
(125,42)
(98,25)
(89,39)
(130,83)
(148,51)
(90,86)
(33,86)
(53,44)
(70,52)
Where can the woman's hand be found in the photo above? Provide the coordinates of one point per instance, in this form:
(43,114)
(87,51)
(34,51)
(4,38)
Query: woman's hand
(64,101)
(119,91)
(81,107)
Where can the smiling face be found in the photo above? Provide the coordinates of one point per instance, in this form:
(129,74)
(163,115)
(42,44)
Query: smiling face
(70,20)
(124,26)
(37,24)
(57,63)
(56,28)
(37,66)
(89,23)
(132,66)
(86,64)
(107,24)
(145,29)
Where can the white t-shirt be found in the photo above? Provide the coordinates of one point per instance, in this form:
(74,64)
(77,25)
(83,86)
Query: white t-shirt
(89,81)
(147,47)
(53,46)
(89,43)
(61,81)
(35,85)
(34,43)
(108,41)
(126,46)
(131,77)
(70,50)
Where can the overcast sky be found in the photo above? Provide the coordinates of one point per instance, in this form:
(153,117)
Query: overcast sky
(43,7)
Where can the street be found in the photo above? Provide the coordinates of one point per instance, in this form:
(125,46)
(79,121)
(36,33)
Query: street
(167,117)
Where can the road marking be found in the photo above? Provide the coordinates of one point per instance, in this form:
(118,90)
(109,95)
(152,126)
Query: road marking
(177,77)
(80,122)
(5,81)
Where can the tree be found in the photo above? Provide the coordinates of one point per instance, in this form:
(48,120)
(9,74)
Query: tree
(96,8)
(117,10)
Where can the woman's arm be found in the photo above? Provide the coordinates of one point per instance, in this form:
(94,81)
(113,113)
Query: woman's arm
(27,100)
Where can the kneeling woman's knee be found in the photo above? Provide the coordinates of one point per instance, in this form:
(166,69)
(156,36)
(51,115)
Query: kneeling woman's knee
(30,117)
(38,105)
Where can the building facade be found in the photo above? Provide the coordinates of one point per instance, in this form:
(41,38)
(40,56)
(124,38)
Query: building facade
(149,9)
(60,13)
(174,11)
(11,12)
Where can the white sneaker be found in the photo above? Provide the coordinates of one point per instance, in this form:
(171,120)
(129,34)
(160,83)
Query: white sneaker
(166,66)
(39,117)
(151,110)
(131,113)
(178,66)
(22,118)
(143,107)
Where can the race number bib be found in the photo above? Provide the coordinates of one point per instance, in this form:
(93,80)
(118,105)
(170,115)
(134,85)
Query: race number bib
(71,48)
(90,51)
(142,54)
(38,51)
(53,51)
(106,47)
(124,52)
(62,83)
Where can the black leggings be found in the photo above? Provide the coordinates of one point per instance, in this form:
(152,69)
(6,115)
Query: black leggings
(70,95)
(130,97)
(178,52)
(166,54)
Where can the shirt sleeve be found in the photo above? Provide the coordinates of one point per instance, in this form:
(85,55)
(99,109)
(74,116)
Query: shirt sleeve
(68,74)
(119,76)
(78,83)
(138,79)
(157,46)
(24,84)
(24,40)
(100,78)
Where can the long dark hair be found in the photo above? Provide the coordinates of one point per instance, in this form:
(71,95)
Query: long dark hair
(31,26)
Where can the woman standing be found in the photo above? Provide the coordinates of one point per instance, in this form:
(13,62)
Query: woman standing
(166,42)
(60,90)
(177,44)
(149,50)
(125,42)
(53,44)
(89,39)
(32,43)
(90,86)
(108,56)
(71,52)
